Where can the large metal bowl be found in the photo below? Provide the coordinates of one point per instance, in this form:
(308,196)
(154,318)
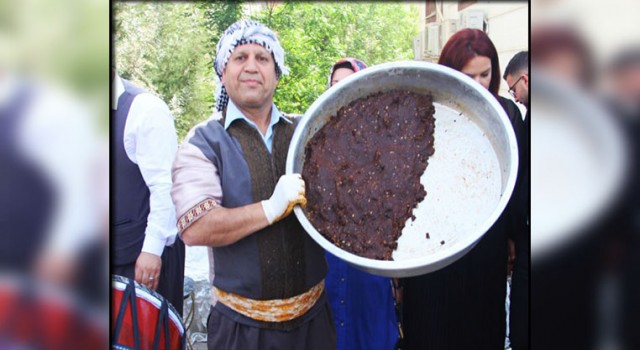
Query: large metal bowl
(468,181)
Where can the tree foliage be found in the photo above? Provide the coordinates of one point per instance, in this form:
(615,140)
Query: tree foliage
(315,35)
(169,47)
(164,47)
(218,16)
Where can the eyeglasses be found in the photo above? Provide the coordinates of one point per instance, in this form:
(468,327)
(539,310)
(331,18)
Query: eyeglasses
(512,92)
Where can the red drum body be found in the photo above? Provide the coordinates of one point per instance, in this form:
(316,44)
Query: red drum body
(34,315)
(143,319)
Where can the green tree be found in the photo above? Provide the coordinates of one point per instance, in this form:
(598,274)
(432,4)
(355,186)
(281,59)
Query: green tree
(165,48)
(315,35)
(169,47)
(218,16)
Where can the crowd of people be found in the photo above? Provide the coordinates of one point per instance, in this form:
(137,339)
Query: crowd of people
(572,277)
(225,187)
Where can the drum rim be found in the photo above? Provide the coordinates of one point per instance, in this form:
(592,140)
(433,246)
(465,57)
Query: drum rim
(122,281)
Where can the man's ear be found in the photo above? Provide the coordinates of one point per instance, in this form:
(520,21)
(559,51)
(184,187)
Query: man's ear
(525,78)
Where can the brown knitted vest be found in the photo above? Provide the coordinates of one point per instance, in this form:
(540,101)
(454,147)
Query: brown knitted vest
(281,245)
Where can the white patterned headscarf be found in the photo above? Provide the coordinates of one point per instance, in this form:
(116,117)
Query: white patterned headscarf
(240,33)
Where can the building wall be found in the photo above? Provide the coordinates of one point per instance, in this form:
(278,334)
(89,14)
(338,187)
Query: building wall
(506,23)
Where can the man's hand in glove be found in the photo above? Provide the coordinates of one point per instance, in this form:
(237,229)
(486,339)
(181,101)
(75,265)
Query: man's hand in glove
(289,191)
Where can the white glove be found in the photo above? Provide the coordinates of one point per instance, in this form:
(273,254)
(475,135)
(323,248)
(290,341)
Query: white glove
(289,191)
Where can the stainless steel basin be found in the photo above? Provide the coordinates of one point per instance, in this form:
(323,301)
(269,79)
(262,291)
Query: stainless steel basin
(468,181)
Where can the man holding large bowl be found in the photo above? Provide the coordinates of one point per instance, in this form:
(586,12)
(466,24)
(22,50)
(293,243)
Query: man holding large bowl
(231,195)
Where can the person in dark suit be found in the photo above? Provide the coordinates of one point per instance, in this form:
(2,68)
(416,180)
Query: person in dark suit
(144,230)
(516,74)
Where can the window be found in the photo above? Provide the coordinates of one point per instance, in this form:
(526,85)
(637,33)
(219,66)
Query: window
(430,14)
(464,4)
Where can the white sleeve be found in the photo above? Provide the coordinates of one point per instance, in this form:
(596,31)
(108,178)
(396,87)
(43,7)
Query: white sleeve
(61,135)
(150,141)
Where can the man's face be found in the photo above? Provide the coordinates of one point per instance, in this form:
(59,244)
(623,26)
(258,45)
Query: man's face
(250,76)
(520,84)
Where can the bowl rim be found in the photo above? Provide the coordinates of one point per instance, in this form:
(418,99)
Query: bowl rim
(438,259)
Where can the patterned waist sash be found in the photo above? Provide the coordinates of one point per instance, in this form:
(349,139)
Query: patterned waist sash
(275,310)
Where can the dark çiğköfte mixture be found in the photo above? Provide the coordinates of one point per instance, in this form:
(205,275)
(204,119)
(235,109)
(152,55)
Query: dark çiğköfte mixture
(362,170)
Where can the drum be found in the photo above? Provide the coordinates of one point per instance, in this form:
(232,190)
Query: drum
(143,319)
(38,315)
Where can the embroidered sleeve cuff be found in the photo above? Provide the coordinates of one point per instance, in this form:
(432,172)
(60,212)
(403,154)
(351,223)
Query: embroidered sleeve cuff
(196,213)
